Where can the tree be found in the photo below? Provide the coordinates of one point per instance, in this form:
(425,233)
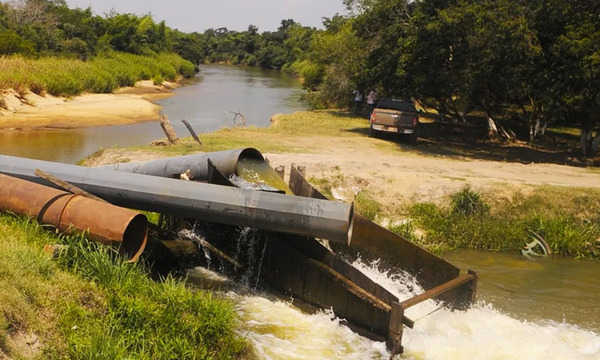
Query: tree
(12,43)
(339,58)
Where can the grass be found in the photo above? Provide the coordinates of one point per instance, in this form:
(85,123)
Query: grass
(89,304)
(568,219)
(366,205)
(103,74)
(285,135)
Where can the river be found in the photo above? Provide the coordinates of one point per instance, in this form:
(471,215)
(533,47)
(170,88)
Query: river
(207,103)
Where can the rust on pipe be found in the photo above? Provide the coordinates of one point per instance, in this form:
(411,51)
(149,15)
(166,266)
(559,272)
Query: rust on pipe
(75,214)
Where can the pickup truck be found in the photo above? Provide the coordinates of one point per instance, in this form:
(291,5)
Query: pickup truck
(395,116)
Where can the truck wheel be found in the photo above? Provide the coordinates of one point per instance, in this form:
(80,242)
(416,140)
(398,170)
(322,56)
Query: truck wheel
(372,132)
(411,139)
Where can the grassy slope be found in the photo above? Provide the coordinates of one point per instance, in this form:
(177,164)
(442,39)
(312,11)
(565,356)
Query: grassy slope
(88,304)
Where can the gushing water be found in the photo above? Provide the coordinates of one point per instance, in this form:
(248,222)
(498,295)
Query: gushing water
(277,330)
(259,173)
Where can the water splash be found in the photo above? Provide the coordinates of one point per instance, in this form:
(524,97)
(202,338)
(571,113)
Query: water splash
(198,240)
(250,251)
(277,330)
(481,332)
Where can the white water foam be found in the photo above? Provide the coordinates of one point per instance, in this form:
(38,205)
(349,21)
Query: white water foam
(481,332)
(277,330)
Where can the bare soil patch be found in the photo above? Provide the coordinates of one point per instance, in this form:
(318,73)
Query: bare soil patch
(125,106)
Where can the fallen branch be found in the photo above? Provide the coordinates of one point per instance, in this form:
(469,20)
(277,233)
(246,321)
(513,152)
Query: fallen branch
(242,117)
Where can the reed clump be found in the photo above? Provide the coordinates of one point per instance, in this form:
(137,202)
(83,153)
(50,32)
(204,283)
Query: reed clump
(102,74)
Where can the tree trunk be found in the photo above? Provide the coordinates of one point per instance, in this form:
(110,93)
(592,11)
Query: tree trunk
(594,147)
(586,136)
(165,124)
(492,128)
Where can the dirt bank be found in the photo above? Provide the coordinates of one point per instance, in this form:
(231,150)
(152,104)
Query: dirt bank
(398,178)
(125,106)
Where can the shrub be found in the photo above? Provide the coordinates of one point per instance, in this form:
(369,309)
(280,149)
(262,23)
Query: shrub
(468,202)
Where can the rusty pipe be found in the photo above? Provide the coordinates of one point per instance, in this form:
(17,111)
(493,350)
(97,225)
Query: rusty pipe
(74,214)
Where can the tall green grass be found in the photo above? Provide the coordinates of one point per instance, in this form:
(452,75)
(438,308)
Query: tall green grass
(103,74)
(90,304)
(569,220)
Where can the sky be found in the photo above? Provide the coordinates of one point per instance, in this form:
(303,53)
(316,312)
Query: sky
(199,15)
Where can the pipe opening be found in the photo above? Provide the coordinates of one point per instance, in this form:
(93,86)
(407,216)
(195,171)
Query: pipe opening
(135,237)
(250,153)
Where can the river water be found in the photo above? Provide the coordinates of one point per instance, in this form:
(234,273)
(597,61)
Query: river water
(206,103)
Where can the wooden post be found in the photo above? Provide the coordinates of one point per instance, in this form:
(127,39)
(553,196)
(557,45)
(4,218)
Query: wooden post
(280,170)
(65,185)
(191,130)
(165,124)
(395,330)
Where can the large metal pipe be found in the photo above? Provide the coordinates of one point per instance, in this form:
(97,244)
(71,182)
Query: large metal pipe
(226,161)
(75,214)
(212,203)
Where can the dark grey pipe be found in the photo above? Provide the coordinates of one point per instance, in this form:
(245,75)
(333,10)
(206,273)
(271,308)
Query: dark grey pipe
(226,161)
(213,203)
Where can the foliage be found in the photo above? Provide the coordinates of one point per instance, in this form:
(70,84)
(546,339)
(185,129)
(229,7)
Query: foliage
(45,27)
(467,202)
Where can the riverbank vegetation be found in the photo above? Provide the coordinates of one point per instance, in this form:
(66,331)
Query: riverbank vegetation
(87,303)
(568,219)
(69,77)
(46,47)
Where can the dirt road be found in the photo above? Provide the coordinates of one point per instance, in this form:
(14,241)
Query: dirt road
(358,164)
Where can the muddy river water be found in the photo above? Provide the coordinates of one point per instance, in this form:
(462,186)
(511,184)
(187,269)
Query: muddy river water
(208,103)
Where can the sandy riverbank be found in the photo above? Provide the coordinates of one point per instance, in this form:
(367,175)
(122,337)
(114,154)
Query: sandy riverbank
(124,106)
